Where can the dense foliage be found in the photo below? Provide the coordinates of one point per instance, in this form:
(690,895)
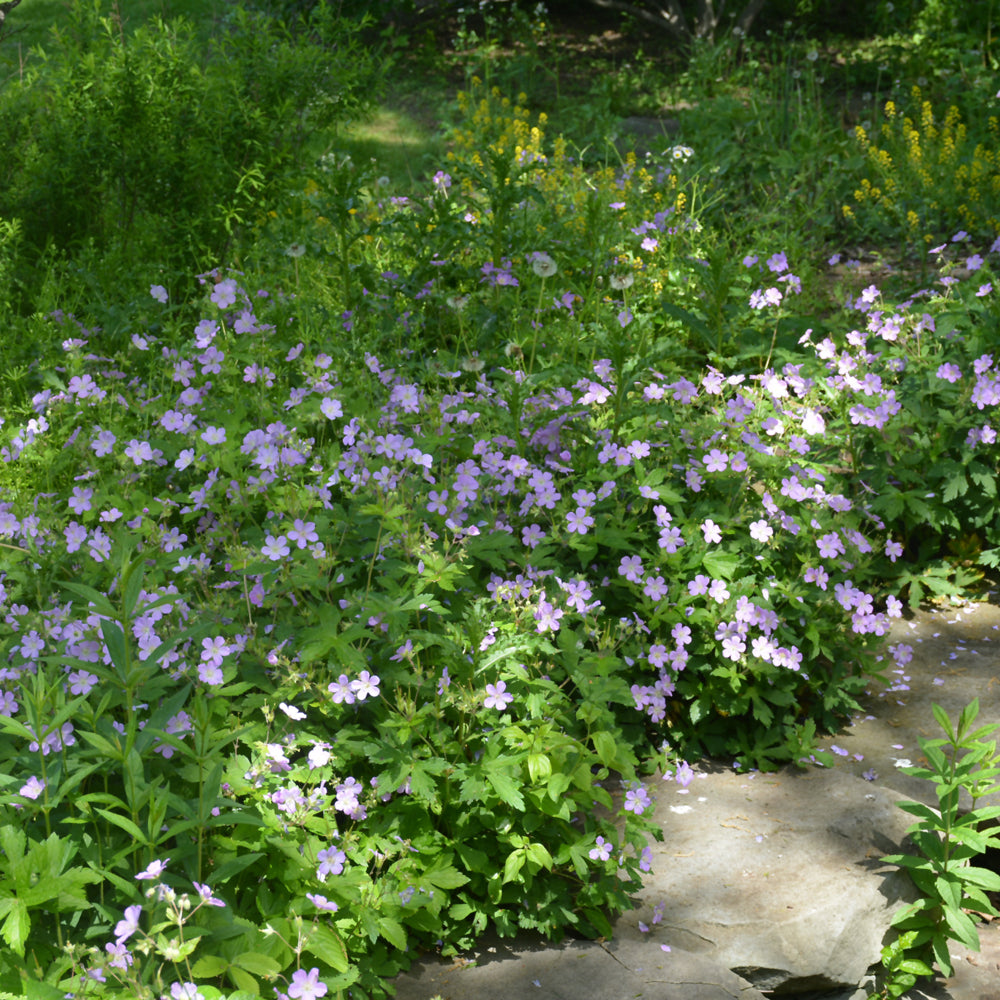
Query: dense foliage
(357,573)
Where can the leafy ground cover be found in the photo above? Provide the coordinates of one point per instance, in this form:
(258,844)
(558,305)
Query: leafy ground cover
(367,535)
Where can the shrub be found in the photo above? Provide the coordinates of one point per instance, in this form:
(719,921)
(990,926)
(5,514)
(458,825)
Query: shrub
(928,176)
(142,145)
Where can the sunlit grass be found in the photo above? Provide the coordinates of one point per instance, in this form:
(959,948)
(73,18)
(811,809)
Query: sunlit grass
(406,148)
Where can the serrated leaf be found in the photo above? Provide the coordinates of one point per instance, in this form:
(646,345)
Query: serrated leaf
(243,980)
(955,487)
(606,747)
(34,990)
(505,786)
(393,932)
(449,877)
(209,966)
(720,564)
(16,923)
(327,946)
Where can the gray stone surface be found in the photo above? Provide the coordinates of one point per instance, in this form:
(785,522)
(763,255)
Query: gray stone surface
(572,970)
(777,877)
(772,884)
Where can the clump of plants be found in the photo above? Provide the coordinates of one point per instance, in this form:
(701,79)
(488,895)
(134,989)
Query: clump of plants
(949,840)
(146,142)
(927,175)
(348,595)
(414,642)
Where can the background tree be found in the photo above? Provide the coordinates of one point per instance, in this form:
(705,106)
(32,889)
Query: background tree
(5,9)
(700,19)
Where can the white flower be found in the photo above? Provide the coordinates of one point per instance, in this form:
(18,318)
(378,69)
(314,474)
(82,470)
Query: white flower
(619,282)
(296,250)
(543,265)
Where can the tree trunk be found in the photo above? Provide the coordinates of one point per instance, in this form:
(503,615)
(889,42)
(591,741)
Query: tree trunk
(669,15)
(5,9)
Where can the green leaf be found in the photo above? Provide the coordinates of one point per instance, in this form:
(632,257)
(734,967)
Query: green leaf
(114,639)
(939,945)
(513,865)
(981,877)
(100,602)
(328,947)
(393,932)
(915,967)
(539,767)
(949,891)
(106,747)
(962,927)
(720,563)
(540,855)
(258,964)
(234,866)
(970,837)
(132,580)
(599,922)
(504,785)
(124,823)
(932,816)
(967,717)
(448,876)
(243,980)
(606,747)
(955,487)
(943,721)
(40,991)
(209,966)
(15,728)
(16,923)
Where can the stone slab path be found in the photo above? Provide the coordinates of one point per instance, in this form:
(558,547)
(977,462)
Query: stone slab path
(771,884)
